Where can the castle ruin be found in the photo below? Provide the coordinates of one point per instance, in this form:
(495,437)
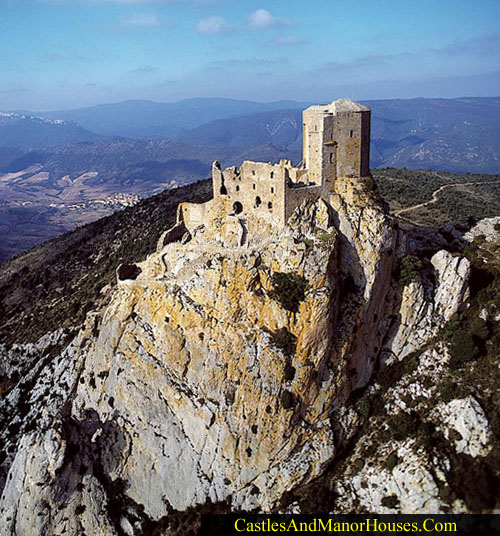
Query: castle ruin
(336,145)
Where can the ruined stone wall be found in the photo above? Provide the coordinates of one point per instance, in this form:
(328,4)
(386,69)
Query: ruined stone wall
(256,189)
(336,145)
(195,214)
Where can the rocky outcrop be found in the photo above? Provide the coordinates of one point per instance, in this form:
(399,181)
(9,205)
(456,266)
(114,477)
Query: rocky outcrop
(428,303)
(215,371)
(233,365)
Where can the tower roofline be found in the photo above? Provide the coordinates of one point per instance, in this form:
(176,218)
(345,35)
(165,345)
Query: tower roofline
(340,105)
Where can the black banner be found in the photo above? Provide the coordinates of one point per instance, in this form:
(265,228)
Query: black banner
(369,524)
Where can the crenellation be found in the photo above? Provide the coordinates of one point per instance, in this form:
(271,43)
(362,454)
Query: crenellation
(336,145)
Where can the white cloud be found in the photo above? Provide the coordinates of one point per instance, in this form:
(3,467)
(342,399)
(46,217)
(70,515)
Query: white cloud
(140,20)
(213,26)
(262,19)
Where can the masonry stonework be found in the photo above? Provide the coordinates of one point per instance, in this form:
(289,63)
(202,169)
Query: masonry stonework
(336,145)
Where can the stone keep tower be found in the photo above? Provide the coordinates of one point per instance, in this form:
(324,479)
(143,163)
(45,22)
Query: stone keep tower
(336,141)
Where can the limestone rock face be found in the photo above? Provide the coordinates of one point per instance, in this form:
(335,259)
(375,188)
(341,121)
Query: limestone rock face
(424,311)
(465,420)
(487,228)
(222,371)
(213,371)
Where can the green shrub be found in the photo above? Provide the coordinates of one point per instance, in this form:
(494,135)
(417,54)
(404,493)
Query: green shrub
(326,236)
(285,341)
(288,289)
(468,341)
(409,269)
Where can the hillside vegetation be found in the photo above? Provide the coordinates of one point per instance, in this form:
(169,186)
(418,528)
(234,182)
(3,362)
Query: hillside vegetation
(476,195)
(57,283)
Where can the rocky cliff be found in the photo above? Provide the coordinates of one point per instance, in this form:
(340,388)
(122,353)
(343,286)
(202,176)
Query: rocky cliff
(245,367)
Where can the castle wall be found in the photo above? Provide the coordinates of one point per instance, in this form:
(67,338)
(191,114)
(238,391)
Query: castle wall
(256,189)
(195,214)
(313,142)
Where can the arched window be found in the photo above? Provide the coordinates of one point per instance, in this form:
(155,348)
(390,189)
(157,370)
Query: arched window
(258,201)
(270,205)
(237,207)
(237,188)
(272,174)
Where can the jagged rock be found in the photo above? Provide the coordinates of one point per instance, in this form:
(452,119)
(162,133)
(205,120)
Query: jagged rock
(204,380)
(421,315)
(195,398)
(466,418)
(487,228)
(408,487)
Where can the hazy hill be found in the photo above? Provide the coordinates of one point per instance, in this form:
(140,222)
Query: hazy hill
(461,135)
(147,119)
(281,127)
(30,132)
(139,164)
(443,134)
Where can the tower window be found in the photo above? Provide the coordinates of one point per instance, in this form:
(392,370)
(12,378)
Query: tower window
(331,158)
(223,190)
(258,201)
(238,207)
(272,174)
(272,190)
(351,133)
(253,186)
(270,205)
(237,188)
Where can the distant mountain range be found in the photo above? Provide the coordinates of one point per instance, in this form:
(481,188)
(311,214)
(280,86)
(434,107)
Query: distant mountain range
(460,135)
(147,119)
(26,132)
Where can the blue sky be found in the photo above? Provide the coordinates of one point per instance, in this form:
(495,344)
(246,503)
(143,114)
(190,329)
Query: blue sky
(57,54)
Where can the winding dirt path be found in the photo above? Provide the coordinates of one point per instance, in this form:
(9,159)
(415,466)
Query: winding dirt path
(435,195)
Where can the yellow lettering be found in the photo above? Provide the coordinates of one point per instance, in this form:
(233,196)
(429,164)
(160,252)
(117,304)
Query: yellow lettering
(327,527)
(236,524)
